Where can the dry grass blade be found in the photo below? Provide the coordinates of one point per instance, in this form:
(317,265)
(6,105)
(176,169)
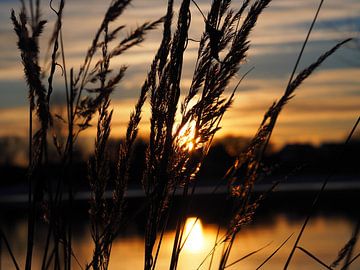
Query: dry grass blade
(346,252)
(134,38)
(54,42)
(2,235)
(247,255)
(351,261)
(216,240)
(188,234)
(314,258)
(275,251)
(305,41)
(307,72)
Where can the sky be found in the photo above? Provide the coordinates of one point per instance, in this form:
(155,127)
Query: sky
(324,108)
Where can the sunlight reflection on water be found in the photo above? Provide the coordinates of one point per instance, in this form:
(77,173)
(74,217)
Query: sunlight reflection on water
(324,237)
(193,235)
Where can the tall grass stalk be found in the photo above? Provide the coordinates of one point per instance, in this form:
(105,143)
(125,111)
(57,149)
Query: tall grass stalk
(28,44)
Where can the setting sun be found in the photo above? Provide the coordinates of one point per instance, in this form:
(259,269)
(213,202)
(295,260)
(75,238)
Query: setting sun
(187,137)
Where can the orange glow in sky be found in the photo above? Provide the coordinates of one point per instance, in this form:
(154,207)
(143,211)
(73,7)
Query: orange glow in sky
(324,107)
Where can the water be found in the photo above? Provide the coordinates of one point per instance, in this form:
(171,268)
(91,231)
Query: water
(324,237)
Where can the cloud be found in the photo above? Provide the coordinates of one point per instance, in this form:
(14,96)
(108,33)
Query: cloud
(323,107)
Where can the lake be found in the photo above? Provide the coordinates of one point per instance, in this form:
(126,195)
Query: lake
(325,235)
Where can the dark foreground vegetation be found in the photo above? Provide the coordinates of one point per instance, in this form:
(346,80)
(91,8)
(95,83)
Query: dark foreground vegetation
(173,158)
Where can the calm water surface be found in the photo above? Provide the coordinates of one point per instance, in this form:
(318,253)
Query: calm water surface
(324,237)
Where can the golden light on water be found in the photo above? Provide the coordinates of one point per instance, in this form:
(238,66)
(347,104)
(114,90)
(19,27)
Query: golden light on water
(194,235)
(128,250)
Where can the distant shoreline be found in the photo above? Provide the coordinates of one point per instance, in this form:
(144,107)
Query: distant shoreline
(301,184)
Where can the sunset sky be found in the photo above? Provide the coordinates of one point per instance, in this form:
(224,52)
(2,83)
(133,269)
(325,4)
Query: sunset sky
(324,108)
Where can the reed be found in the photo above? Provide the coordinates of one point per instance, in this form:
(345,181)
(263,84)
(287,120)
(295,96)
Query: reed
(175,153)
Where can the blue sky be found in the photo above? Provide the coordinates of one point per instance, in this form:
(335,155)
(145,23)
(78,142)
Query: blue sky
(324,108)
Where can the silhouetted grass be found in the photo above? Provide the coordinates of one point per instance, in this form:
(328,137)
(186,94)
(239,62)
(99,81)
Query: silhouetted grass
(175,153)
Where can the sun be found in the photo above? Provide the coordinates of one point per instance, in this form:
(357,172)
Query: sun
(187,137)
